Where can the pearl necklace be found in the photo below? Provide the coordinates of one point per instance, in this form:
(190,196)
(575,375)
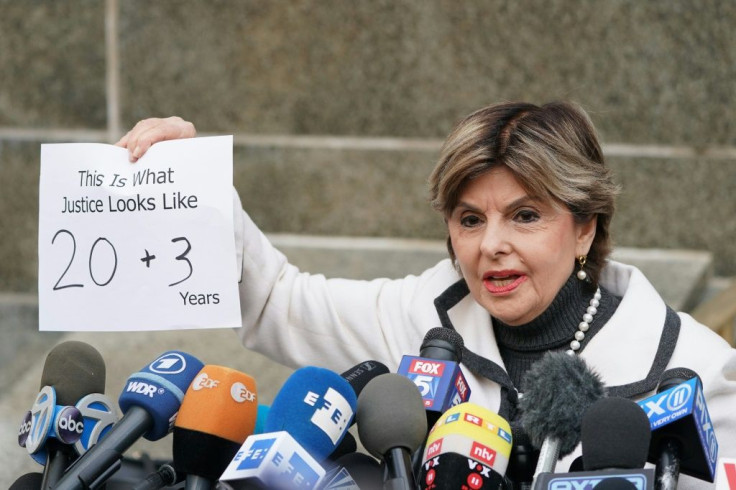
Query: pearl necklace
(585,324)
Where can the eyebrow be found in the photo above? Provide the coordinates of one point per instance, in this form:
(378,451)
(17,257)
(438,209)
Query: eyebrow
(512,205)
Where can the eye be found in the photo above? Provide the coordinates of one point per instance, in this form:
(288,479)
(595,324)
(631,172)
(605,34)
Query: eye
(526,216)
(470,220)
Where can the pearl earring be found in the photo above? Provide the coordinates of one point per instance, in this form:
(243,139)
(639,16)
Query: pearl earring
(582,275)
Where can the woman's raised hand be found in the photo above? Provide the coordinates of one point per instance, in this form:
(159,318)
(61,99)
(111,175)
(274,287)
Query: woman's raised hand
(149,131)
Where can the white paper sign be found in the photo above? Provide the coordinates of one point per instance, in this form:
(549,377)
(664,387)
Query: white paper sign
(137,246)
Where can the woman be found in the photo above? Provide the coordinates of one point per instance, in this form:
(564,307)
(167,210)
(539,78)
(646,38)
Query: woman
(528,203)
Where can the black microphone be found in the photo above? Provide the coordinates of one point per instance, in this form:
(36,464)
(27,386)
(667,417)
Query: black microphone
(557,390)
(615,438)
(150,401)
(614,434)
(29,481)
(359,375)
(683,438)
(391,425)
(72,370)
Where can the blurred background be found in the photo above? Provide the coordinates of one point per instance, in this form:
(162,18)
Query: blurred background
(338,109)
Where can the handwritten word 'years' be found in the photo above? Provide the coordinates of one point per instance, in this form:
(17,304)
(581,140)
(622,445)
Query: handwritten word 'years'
(145,176)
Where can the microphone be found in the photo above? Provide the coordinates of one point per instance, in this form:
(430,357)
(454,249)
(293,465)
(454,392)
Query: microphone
(391,425)
(359,375)
(683,438)
(440,380)
(29,481)
(261,418)
(468,446)
(316,406)
(72,370)
(557,389)
(615,438)
(150,401)
(98,415)
(307,420)
(217,413)
(614,434)
(275,461)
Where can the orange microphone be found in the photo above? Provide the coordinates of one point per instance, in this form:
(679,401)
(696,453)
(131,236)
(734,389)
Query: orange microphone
(217,414)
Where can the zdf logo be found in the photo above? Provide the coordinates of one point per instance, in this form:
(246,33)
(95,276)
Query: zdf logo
(204,381)
(241,393)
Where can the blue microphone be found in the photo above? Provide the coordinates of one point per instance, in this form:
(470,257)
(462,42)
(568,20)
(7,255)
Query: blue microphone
(316,406)
(683,438)
(150,401)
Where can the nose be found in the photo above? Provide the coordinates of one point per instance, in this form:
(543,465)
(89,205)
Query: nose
(495,241)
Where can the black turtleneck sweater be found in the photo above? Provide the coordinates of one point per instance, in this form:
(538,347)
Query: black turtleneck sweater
(521,346)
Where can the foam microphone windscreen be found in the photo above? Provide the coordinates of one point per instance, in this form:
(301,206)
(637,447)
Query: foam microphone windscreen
(359,375)
(615,434)
(557,390)
(217,414)
(29,481)
(443,344)
(315,406)
(159,389)
(391,415)
(74,369)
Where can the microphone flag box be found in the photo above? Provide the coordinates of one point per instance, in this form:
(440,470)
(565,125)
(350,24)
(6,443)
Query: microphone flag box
(441,383)
(274,460)
(642,479)
(726,474)
(681,412)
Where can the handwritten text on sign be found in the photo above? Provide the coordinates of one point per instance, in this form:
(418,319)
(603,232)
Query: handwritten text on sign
(137,246)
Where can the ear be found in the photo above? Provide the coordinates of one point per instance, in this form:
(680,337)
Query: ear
(585,235)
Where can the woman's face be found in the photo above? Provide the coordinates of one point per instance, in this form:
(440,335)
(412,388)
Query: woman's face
(514,252)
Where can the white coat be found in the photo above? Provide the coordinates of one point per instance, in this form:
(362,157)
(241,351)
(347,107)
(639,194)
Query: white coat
(300,319)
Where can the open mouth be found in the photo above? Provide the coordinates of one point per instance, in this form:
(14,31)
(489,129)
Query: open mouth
(503,283)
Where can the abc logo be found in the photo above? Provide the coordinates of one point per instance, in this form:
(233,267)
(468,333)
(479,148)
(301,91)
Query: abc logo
(69,425)
(25,429)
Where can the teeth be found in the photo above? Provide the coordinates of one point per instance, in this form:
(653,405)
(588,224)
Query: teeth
(502,282)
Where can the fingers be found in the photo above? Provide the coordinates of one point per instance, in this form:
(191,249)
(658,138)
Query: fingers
(150,131)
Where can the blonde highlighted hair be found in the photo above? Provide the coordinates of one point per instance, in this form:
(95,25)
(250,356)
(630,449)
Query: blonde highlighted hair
(553,152)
